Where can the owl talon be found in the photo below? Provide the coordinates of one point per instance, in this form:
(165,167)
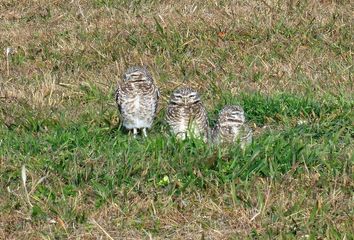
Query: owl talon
(135,132)
(144,132)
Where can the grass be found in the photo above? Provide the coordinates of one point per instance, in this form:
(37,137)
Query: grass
(288,64)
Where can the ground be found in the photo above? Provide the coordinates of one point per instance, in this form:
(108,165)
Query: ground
(68,170)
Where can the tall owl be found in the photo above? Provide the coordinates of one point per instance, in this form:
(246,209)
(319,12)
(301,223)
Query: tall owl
(231,127)
(137,98)
(186,115)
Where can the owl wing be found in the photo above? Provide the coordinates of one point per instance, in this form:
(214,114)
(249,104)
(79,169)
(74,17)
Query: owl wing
(203,125)
(246,136)
(206,123)
(157,93)
(118,98)
(157,99)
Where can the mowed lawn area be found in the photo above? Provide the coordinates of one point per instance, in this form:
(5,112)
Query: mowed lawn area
(69,170)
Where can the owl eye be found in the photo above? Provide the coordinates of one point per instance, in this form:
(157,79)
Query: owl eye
(136,75)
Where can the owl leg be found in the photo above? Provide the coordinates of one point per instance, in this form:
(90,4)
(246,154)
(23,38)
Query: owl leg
(144,132)
(135,132)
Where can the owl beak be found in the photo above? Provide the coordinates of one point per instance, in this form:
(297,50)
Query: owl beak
(185,101)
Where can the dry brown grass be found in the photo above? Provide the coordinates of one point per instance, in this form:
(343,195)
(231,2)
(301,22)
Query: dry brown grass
(264,46)
(211,214)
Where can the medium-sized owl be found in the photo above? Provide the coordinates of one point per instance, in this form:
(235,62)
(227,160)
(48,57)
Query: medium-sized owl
(231,127)
(186,115)
(137,99)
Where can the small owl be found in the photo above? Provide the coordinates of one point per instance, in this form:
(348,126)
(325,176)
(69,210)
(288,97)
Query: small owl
(231,127)
(137,99)
(186,115)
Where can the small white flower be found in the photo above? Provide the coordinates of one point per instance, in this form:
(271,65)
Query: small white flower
(300,122)
(24,175)
(8,51)
(52,221)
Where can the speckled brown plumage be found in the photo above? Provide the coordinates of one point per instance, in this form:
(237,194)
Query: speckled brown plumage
(231,127)
(186,115)
(137,99)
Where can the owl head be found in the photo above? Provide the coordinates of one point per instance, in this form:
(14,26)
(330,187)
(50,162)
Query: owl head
(232,114)
(137,74)
(185,96)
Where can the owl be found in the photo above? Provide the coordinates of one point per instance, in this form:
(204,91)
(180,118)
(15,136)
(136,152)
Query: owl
(186,115)
(231,127)
(137,98)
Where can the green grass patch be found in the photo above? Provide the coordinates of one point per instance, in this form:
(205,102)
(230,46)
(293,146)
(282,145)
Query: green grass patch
(91,151)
